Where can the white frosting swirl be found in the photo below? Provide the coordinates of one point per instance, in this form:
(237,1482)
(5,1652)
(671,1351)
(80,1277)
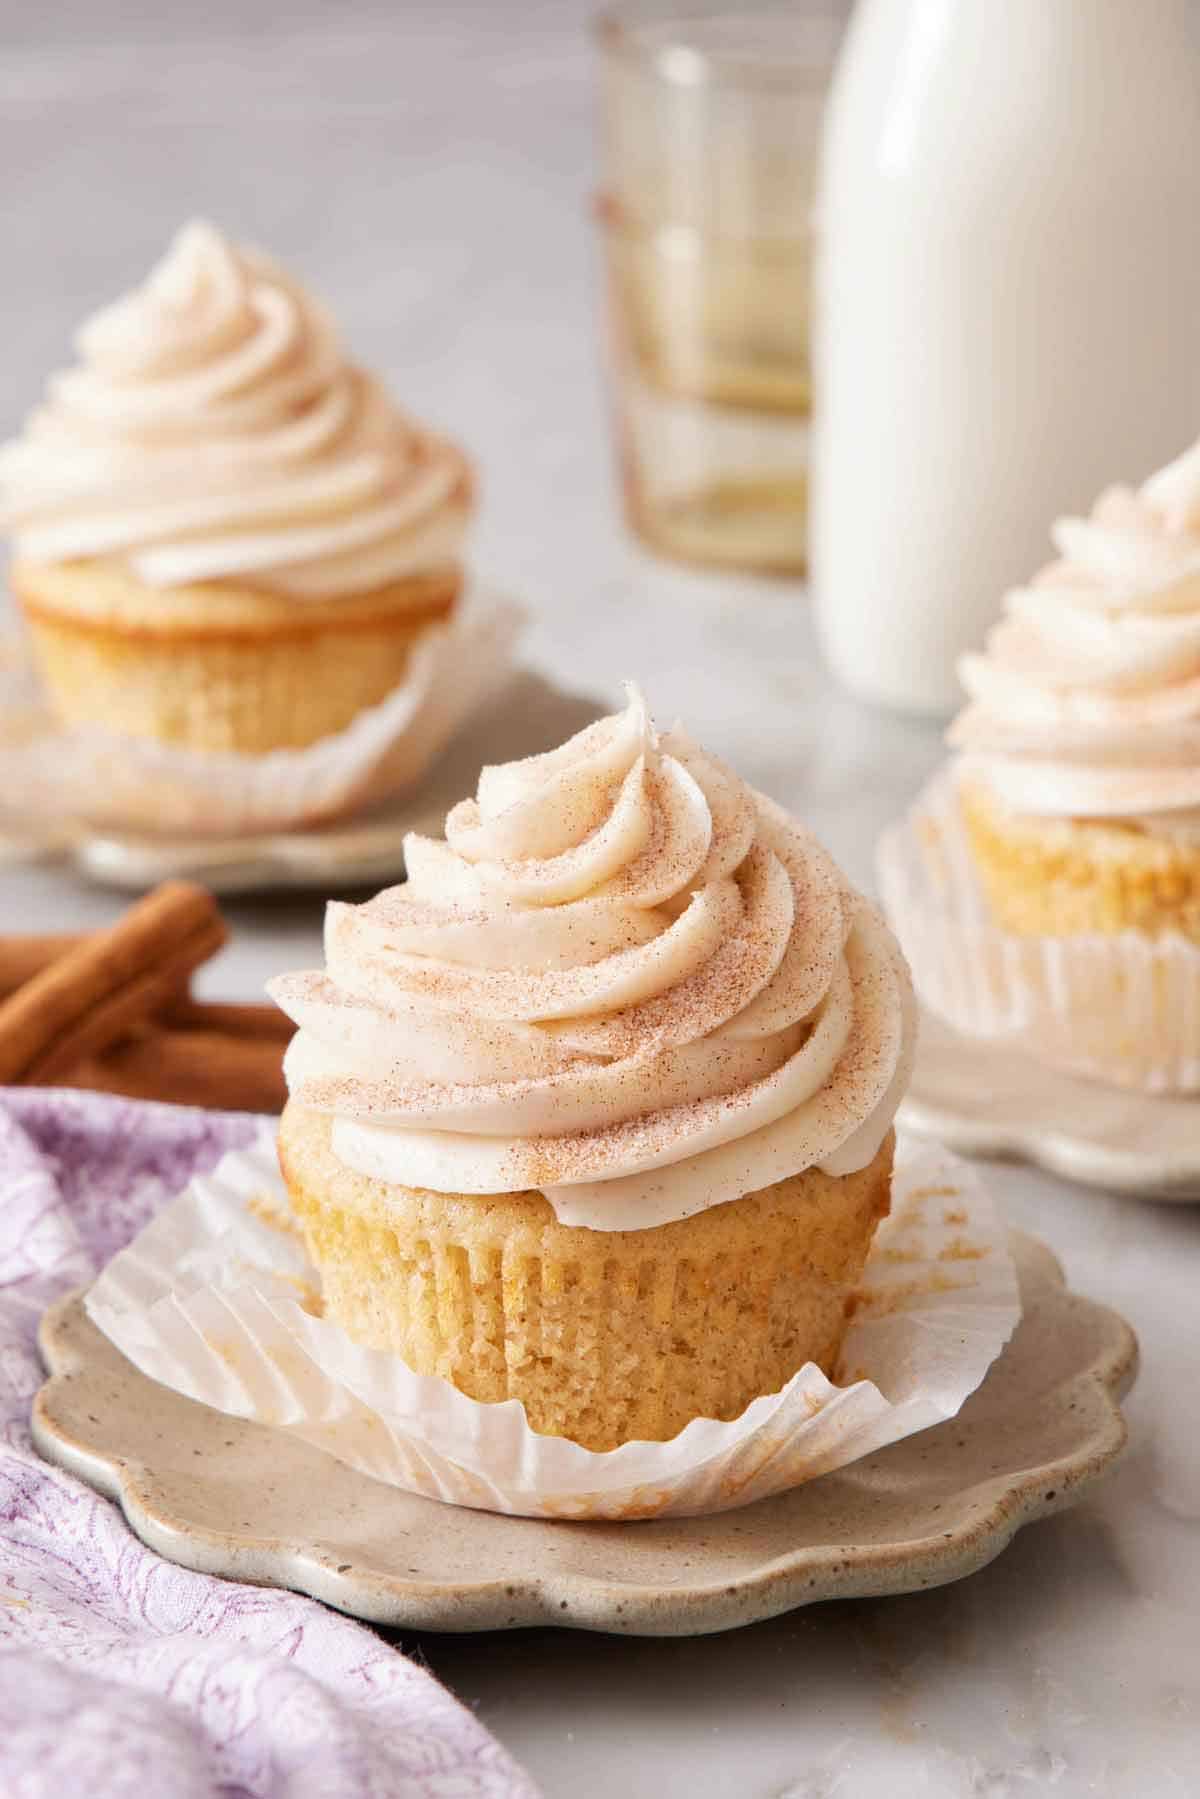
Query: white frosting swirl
(623,978)
(1087,700)
(215,430)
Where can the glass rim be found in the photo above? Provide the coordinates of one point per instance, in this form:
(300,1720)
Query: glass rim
(627,31)
(682,239)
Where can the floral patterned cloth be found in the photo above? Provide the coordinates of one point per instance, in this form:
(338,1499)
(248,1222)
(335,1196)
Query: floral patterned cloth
(121,1674)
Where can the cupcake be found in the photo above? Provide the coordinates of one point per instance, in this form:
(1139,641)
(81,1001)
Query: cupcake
(1047,886)
(1080,772)
(225,534)
(595,1112)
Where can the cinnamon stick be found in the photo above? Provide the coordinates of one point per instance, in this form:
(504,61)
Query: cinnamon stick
(107,983)
(231,1019)
(22,957)
(191,1068)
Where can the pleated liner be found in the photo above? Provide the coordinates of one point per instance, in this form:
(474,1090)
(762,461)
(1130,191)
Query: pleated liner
(604,1336)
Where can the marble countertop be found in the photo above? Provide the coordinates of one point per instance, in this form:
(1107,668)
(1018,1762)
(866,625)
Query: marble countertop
(429,168)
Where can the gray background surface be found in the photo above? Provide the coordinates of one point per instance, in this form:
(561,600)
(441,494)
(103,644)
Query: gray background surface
(428,167)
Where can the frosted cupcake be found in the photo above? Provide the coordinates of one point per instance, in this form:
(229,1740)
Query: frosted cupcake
(595,1112)
(1081,747)
(1046,887)
(225,534)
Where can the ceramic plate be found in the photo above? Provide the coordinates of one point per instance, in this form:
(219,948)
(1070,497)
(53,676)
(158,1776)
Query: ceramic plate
(238,1499)
(529,715)
(981,1098)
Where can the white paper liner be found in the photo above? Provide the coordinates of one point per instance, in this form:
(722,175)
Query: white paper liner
(1121,1007)
(52,777)
(210,1300)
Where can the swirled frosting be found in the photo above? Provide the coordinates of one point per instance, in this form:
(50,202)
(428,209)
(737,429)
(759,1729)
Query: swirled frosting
(1086,702)
(623,978)
(214,430)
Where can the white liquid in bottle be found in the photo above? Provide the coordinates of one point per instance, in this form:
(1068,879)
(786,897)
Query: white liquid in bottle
(1007,311)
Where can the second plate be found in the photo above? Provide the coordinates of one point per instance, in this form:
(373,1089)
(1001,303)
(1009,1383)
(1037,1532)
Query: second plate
(987,1099)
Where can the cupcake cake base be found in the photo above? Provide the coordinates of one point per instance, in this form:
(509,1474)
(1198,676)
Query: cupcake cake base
(1056,877)
(604,1336)
(220,667)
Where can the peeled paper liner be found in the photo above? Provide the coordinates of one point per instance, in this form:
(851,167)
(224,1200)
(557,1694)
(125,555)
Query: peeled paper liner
(51,777)
(217,1300)
(1122,1007)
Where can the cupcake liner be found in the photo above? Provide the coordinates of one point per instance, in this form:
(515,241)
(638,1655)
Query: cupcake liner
(217,1300)
(602,1335)
(22,706)
(1121,1007)
(49,776)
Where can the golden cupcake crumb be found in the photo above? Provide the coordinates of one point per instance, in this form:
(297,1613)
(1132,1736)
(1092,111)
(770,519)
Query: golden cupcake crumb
(1049,877)
(216,667)
(604,1336)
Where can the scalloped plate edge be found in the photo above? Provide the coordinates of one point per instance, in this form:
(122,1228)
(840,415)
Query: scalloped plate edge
(1011,1086)
(1072,1159)
(840,1571)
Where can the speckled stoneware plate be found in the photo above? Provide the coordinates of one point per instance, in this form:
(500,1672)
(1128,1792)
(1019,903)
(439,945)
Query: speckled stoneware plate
(238,1499)
(983,1099)
(527,716)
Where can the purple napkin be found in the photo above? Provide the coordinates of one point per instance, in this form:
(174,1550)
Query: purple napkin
(121,1674)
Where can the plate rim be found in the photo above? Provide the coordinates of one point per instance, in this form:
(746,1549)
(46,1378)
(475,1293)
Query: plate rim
(292,858)
(809,1575)
(1069,1154)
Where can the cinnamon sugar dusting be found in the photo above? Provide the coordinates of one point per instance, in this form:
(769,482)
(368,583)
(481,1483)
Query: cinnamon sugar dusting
(882,1302)
(958,1250)
(271,1213)
(676,968)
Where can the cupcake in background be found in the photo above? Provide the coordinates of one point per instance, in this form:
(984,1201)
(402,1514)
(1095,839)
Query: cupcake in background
(1046,886)
(226,536)
(1080,749)
(595,1112)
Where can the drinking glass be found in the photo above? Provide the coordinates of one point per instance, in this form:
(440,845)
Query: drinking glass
(710,127)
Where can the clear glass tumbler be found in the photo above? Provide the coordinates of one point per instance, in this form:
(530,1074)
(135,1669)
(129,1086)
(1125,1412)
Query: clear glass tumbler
(710,131)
